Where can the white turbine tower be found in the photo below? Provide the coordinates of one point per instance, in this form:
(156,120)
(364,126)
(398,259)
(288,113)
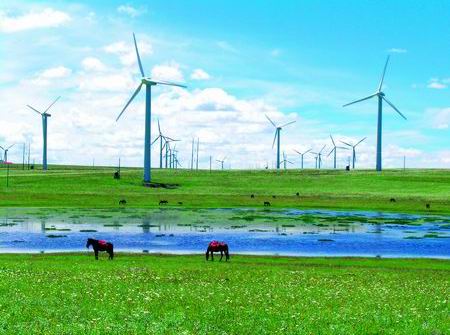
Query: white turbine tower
(302,154)
(335,150)
(148,82)
(277,137)
(381,96)
(353,150)
(5,150)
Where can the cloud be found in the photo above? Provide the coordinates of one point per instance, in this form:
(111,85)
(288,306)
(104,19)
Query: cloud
(226,46)
(130,10)
(397,50)
(439,117)
(199,74)
(45,77)
(126,52)
(93,64)
(46,18)
(438,84)
(168,71)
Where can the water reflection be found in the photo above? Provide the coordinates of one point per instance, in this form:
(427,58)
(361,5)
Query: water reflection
(290,232)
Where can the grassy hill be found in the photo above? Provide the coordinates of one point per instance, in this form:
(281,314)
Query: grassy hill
(71,186)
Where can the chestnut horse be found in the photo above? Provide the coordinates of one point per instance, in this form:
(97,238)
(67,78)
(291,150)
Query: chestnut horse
(216,246)
(100,245)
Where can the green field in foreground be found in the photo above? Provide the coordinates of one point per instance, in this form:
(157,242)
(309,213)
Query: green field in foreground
(68,186)
(152,294)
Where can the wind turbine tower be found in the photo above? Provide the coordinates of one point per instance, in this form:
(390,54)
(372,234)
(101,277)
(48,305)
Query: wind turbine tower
(277,137)
(381,97)
(301,155)
(353,151)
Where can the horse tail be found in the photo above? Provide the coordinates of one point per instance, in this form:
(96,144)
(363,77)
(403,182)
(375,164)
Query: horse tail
(227,254)
(111,252)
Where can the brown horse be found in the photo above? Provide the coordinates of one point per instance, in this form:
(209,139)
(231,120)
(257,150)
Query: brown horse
(216,246)
(100,245)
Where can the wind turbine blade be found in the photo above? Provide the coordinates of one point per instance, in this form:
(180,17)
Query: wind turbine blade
(384,72)
(297,152)
(51,104)
(360,141)
(159,128)
(129,101)
(138,58)
(395,108)
(289,162)
(156,139)
(167,83)
(347,143)
(322,149)
(287,124)
(224,159)
(273,144)
(34,109)
(270,121)
(356,101)
(345,148)
(331,151)
(332,140)
(11,146)
(2,147)
(307,151)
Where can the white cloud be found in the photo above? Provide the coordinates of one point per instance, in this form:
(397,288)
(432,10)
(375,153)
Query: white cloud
(130,10)
(439,117)
(168,71)
(199,74)
(226,46)
(93,64)
(438,84)
(32,20)
(45,77)
(397,50)
(126,52)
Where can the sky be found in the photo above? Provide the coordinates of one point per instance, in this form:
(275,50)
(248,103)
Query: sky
(241,60)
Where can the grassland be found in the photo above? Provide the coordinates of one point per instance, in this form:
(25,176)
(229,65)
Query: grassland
(70,186)
(143,294)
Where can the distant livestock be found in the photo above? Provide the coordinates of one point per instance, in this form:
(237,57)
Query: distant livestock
(117,175)
(252,196)
(180,202)
(163,202)
(274,196)
(427,206)
(216,246)
(297,194)
(122,202)
(392,200)
(266,203)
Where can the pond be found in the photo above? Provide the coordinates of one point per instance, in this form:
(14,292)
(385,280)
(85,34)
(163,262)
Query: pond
(247,231)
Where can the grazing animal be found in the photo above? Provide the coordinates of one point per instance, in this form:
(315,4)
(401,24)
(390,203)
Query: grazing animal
(427,206)
(297,194)
(347,168)
(392,200)
(163,202)
(274,196)
(216,246)
(266,203)
(252,196)
(117,175)
(122,202)
(100,245)
(180,202)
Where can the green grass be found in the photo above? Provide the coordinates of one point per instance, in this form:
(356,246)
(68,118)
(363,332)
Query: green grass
(69,186)
(151,294)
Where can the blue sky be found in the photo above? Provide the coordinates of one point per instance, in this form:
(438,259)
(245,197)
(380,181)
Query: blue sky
(292,60)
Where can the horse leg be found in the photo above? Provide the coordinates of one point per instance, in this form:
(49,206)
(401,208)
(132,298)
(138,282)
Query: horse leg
(221,255)
(207,254)
(96,254)
(212,256)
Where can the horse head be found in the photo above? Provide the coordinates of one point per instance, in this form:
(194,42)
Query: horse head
(89,242)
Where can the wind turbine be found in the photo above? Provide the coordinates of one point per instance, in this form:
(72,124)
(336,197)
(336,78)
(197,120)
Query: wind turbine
(5,159)
(44,115)
(148,82)
(277,137)
(221,161)
(353,150)
(284,161)
(319,157)
(162,138)
(302,154)
(381,96)
(334,150)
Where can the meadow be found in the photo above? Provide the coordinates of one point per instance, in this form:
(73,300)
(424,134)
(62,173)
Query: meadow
(72,186)
(160,294)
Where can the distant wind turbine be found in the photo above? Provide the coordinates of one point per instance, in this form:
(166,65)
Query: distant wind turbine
(221,161)
(302,154)
(284,161)
(319,157)
(277,137)
(381,96)
(353,150)
(162,138)
(5,151)
(335,150)
(44,115)
(148,82)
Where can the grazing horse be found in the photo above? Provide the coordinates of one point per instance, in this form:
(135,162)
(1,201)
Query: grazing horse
(266,203)
(163,202)
(216,246)
(100,245)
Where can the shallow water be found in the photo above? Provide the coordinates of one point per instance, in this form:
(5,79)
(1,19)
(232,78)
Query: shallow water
(288,232)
